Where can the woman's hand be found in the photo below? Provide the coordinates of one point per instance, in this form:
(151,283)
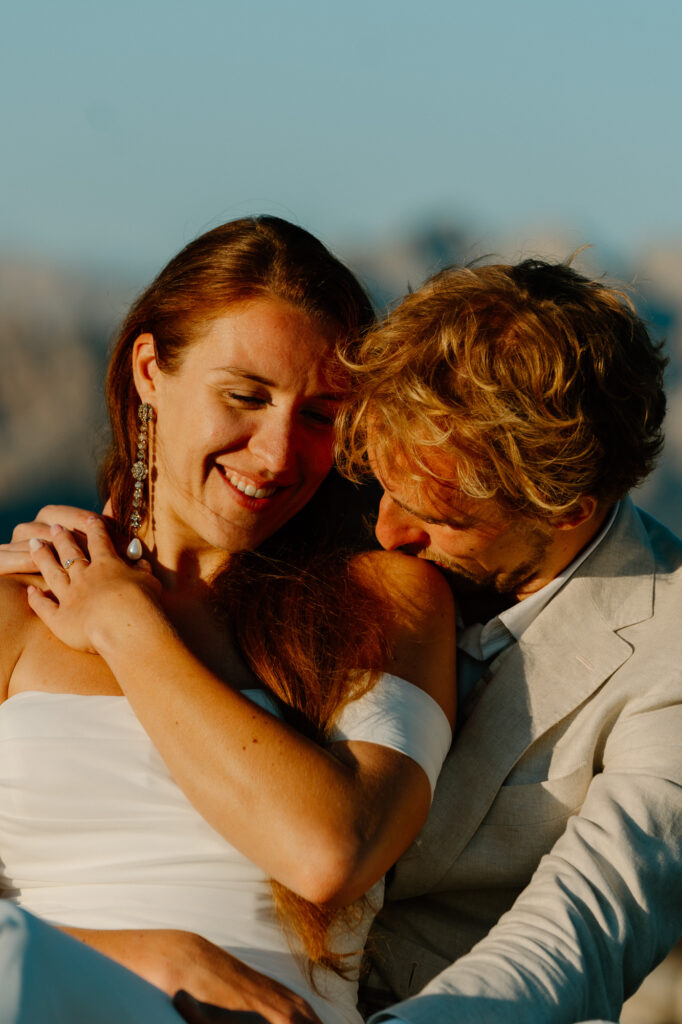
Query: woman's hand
(15,557)
(87,585)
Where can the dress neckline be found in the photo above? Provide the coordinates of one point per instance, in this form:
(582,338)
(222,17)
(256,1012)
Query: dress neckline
(96,696)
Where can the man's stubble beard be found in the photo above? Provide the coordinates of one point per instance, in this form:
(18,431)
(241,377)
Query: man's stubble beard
(504,583)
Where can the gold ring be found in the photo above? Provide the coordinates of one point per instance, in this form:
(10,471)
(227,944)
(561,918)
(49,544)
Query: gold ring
(70,561)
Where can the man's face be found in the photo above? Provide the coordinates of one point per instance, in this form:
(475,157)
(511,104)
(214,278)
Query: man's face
(483,545)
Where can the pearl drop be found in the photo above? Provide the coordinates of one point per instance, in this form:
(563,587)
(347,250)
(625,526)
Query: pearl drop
(134,549)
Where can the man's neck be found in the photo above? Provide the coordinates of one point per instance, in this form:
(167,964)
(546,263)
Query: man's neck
(566,545)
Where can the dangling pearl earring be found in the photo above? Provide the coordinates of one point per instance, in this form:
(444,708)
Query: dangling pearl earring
(139,471)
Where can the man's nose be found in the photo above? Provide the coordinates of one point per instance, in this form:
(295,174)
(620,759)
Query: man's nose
(396,528)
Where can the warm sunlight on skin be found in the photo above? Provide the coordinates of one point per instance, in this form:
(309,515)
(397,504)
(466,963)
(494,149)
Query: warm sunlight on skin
(476,539)
(242,434)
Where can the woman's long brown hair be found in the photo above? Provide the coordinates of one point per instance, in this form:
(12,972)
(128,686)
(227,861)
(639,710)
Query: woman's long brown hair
(315,636)
(309,629)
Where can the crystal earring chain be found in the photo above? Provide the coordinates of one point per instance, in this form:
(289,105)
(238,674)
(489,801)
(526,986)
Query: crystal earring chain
(139,471)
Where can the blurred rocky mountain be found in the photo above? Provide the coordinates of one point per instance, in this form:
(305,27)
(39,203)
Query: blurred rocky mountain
(660,280)
(55,328)
(54,332)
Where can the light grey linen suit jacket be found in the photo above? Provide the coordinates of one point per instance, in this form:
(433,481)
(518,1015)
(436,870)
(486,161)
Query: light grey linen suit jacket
(558,813)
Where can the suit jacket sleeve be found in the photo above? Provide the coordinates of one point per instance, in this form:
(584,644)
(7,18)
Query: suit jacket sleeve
(604,905)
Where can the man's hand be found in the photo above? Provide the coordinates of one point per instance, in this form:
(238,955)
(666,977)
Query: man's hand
(177,960)
(232,991)
(15,557)
(195,1012)
(72,518)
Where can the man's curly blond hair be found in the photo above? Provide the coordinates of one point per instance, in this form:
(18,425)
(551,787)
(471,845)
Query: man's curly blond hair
(544,385)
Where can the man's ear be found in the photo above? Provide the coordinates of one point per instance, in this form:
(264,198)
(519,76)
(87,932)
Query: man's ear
(582,513)
(145,368)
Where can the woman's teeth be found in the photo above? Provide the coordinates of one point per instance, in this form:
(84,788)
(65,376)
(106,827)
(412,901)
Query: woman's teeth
(248,489)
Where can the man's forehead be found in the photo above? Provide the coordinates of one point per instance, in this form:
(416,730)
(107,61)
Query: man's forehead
(391,463)
(436,498)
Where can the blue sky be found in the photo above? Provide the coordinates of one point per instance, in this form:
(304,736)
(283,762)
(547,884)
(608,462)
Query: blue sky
(129,127)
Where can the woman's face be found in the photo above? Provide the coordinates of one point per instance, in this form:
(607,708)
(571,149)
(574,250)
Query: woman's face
(243,428)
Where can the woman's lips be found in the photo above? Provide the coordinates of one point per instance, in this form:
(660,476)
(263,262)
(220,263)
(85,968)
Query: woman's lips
(247,488)
(251,493)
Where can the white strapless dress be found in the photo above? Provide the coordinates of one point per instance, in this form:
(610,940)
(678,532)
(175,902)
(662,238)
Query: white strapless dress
(94,832)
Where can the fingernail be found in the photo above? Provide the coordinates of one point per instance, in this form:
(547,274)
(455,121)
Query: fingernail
(34,544)
(56,528)
(30,588)
(93,519)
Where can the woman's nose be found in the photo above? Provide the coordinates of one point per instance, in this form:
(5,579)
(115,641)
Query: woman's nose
(275,443)
(396,528)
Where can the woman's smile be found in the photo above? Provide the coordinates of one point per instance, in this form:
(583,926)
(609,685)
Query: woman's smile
(244,427)
(245,487)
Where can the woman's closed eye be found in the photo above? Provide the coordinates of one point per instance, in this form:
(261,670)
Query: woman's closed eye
(317,416)
(321,417)
(249,400)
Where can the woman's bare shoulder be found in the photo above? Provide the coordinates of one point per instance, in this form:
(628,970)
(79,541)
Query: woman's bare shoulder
(15,612)
(420,620)
(414,588)
(16,620)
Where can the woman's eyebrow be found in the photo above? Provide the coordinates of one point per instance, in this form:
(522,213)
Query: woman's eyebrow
(246,374)
(332,396)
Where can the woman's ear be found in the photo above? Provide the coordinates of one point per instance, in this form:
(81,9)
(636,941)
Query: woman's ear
(145,368)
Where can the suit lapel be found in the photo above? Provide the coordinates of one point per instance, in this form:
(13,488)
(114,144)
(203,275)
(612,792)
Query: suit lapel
(562,658)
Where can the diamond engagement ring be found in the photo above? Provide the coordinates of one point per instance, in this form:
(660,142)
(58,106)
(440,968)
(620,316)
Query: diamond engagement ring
(70,561)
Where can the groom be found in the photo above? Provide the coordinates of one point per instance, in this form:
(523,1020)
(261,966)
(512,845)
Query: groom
(507,411)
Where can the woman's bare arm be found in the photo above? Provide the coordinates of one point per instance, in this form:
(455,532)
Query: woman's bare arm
(170,959)
(326,824)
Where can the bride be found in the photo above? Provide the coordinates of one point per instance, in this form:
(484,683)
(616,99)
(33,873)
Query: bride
(210,758)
